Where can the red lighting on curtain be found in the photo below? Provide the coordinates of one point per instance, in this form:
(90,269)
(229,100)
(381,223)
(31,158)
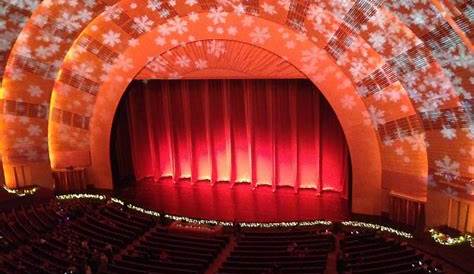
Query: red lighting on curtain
(263,132)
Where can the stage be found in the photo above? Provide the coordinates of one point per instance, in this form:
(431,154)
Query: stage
(239,202)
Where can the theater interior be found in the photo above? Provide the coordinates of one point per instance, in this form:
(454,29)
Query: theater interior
(236,136)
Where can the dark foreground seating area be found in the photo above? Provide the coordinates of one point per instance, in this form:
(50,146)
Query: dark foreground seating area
(91,236)
(85,236)
(162,252)
(279,252)
(369,253)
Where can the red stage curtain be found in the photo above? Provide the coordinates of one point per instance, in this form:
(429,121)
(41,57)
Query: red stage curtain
(264,132)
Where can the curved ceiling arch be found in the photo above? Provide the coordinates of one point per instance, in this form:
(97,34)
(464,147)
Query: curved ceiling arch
(27,83)
(204,60)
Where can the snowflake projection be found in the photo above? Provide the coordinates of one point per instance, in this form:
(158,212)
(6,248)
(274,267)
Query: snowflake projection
(447,168)
(35,91)
(124,63)
(158,64)
(178,25)
(449,191)
(154,5)
(470,188)
(374,116)
(268,8)
(142,24)
(13,16)
(310,58)
(111,38)
(448,132)
(218,15)
(417,142)
(112,13)
(216,48)
(259,35)
(200,64)
(348,101)
(183,61)
(84,69)
(68,22)
(25,4)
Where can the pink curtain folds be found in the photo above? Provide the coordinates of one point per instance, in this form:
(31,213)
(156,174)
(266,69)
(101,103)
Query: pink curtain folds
(263,132)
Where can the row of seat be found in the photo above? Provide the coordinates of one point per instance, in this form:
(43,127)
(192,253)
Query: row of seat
(164,252)
(59,237)
(367,252)
(273,252)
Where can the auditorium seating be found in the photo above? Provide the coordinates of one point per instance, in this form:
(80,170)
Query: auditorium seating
(164,252)
(72,236)
(281,252)
(367,252)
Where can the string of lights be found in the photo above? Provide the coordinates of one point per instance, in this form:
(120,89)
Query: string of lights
(378,227)
(243,224)
(445,239)
(21,192)
(81,196)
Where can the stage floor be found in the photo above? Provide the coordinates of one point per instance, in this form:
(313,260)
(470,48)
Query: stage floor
(238,203)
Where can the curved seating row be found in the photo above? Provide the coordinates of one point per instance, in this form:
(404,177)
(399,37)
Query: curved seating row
(272,252)
(366,252)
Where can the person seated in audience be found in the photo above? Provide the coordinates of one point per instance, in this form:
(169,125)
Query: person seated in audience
(87,268)
(104,262)
(21,268)
(340,262)
(292,247)
(85,245)
(72,270)
(164,256)
(108,250)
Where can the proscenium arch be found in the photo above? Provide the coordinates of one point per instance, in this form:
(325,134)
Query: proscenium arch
(322,71)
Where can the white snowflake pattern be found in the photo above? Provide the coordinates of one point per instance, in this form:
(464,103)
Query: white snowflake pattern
(124,63)
(111,38)
(154,5)
(260,35)
(377,41)
(183,61)
(112,13)
(373,116)
(178,25)
(142,24)
(347,101)
(34,130)
(417,141)
(67,22)
(190,2)
(270,9)
(200,64)
(84,69)
(447,168)
(35,91)
(216,48)
(217,15)
(158,64)
(448,132)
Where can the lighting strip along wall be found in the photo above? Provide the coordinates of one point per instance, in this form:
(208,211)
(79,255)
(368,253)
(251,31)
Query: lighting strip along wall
(445,239)
(80,196)
(244,224)
(378,227)
(21,192)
